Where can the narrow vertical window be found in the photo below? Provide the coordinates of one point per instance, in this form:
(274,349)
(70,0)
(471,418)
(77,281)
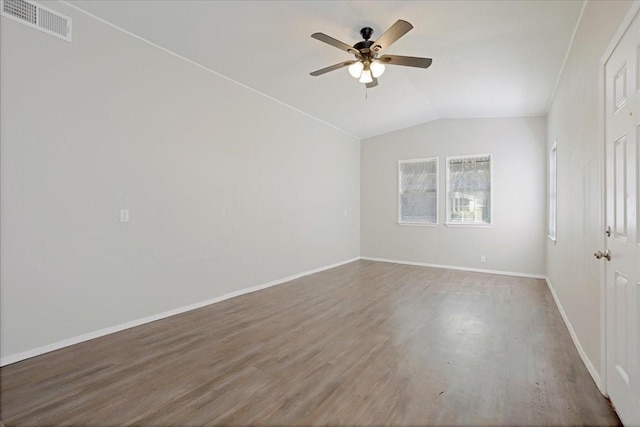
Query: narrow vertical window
(469,190)
(418,191)
(553,187)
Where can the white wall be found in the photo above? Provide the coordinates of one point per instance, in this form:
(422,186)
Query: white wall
(515,243)
(573,122)
(227,189)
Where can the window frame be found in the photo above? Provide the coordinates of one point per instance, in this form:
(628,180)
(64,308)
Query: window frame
(399,190)
(448,221)
(552,196)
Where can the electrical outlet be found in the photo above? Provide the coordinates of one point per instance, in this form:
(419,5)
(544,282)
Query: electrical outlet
(124,215)
(483,258)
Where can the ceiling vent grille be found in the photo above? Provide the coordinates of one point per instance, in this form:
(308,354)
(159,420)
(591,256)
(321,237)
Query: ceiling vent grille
(37,16)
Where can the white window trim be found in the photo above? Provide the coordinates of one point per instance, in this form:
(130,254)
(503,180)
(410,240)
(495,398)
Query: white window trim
(419,223)
(446,195)
(468,224)
(553,237)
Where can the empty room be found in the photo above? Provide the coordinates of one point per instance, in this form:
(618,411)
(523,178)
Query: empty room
(290,213)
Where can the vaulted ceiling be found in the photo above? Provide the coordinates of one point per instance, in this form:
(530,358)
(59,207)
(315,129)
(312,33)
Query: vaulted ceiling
(490,58)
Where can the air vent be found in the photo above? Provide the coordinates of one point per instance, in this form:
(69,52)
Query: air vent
(37,16)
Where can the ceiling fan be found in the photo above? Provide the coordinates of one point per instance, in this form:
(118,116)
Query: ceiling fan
(369,64)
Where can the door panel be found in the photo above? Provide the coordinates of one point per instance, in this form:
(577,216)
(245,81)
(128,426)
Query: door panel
(637,149)
(620,87)
(622,132)
(620,187)
(621,327)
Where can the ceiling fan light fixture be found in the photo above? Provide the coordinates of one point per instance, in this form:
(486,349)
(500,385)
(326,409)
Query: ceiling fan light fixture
(366,77)
(377,69)
(355,69)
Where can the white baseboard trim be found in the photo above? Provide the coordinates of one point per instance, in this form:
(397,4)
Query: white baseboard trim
(7,360)
(454,267)
(576,341)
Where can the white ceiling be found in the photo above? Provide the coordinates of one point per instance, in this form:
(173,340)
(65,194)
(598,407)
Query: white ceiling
(490,58)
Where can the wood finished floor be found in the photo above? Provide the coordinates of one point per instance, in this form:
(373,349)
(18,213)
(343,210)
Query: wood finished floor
(366,343)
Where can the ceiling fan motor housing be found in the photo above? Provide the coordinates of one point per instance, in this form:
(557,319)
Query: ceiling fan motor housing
(366,44)
(366,33)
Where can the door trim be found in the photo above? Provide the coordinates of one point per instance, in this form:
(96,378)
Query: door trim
(622,29)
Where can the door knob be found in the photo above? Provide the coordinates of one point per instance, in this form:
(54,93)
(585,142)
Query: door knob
(606,254)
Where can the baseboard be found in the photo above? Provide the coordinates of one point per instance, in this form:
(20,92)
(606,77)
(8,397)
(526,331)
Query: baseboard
(7,360)
(454,267)
(576,341)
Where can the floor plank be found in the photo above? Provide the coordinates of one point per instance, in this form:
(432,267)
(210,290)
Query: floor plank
(367,343)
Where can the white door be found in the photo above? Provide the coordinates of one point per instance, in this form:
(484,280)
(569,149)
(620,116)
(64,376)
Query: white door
(622,130)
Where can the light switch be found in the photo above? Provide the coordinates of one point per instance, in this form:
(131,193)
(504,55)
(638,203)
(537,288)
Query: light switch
(124,215)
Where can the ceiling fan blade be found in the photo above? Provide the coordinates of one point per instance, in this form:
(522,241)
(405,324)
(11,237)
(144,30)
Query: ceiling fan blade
(397,30)
(334,42)
(408,61)
(331,68)
(374,83)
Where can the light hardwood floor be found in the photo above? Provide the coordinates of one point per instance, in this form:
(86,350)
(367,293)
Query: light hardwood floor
(367,343)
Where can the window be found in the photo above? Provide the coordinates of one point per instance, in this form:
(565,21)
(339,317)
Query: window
(469,190)
(553,198)
(418,191)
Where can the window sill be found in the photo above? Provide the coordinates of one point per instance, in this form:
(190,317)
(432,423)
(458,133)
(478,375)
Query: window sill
(467,225)
(419,224)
